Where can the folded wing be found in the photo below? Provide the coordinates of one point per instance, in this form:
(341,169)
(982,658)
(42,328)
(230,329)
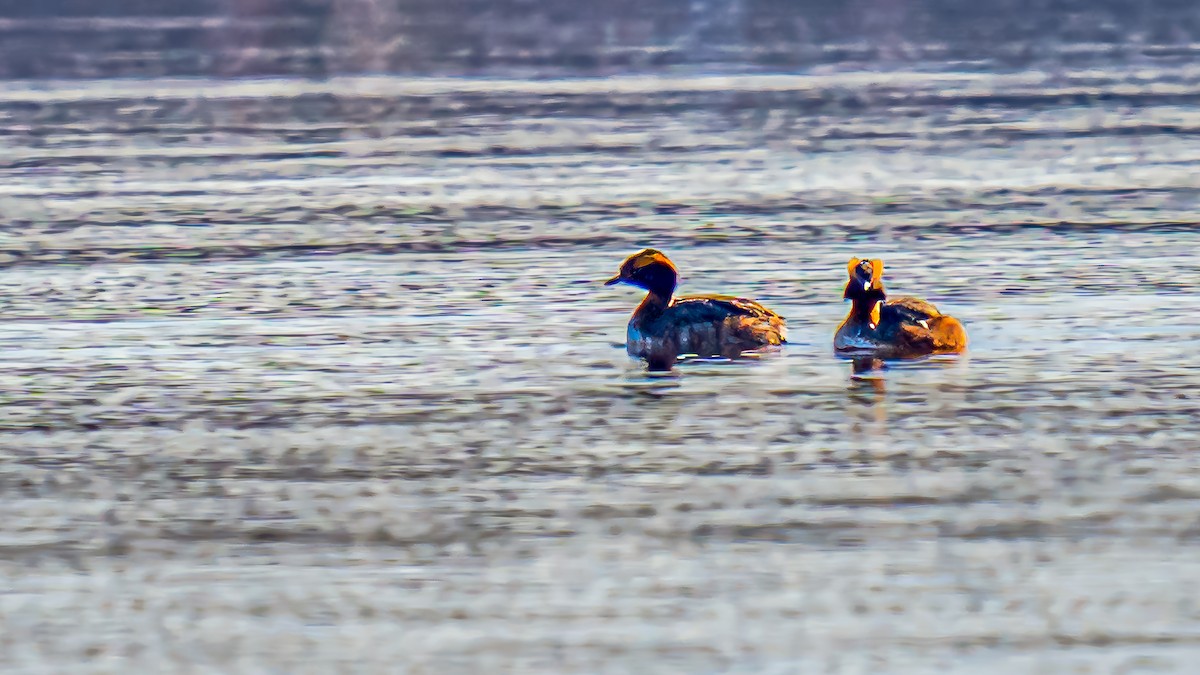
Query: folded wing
(924,328)
(724,325)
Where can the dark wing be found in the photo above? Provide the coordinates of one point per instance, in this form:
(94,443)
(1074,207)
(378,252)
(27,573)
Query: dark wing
(910,310)
(724,324)
(923,327)
(729,304)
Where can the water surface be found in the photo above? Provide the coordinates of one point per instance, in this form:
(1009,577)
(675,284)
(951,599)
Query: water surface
(319,375)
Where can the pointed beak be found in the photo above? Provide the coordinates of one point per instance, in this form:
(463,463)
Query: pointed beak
(615,280)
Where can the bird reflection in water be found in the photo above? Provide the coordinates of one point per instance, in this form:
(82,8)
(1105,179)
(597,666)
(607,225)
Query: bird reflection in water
(867,368)
(867,372)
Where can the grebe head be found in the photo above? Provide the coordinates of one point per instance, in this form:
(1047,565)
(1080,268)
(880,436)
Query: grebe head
(648,269)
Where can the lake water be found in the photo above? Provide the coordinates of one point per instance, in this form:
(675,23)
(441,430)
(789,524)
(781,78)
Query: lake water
(318,376)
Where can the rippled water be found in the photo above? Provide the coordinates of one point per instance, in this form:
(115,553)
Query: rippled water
(306,376)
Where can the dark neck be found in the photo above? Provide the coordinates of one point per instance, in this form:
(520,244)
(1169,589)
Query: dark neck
(862,303)
(862,307)
(652,306)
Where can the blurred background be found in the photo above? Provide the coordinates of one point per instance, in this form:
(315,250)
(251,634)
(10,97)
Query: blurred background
(306,365)
(315,38)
